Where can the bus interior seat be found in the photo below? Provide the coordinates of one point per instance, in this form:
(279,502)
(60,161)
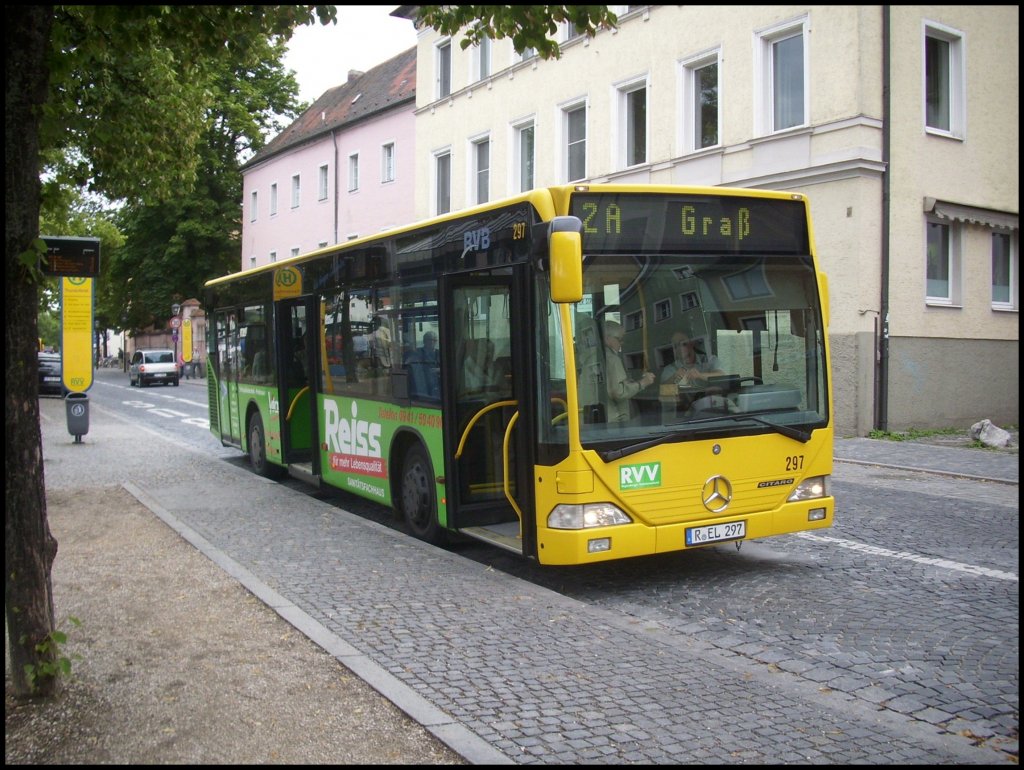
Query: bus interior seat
(259,365)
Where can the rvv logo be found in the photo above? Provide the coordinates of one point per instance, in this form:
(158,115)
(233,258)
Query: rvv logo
(640,476)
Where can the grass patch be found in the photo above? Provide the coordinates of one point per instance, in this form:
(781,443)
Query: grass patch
(915,433)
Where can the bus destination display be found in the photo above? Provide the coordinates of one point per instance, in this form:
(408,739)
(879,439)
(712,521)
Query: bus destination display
(623,222)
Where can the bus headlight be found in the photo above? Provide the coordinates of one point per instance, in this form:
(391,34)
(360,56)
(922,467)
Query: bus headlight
(812,488)
(586,516)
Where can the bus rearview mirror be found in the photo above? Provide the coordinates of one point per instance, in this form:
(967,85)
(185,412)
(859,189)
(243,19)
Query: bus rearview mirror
(565,257)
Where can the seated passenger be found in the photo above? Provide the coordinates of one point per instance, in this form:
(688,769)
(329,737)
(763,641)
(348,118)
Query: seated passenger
(689,366)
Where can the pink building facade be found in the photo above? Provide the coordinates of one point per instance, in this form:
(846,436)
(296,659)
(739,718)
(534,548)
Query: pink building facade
(344,169)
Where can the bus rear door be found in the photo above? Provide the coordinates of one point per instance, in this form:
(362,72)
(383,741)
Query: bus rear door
(227,359)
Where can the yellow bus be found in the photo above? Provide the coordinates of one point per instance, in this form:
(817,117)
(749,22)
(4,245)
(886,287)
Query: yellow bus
(576,374)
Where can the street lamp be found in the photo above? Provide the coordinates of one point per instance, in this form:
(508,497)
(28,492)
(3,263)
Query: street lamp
(175,309)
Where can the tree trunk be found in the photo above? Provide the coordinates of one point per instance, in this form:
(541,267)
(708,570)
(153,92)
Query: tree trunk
(29,547)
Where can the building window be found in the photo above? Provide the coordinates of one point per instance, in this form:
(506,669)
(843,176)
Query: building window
(943,270)
(296,187)
(524,156)
(663,310)
(528,53)
(944,91)
(783,66)
(700,103)
(569,31)
(387,162)
(574,121)
(252,206)
(481,151)
(443,183)
(482,58)
(321,183)
(252,260)
(632,105)
(295,251)
(443,63)
(273,256)
(1005,295)
(273,199)
(353,172)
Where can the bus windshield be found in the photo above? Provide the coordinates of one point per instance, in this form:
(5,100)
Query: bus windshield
(671,347)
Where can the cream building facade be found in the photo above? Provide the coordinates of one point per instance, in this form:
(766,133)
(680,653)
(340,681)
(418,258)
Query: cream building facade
(899,122)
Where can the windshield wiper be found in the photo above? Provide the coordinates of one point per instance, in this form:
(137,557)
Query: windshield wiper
(789,432)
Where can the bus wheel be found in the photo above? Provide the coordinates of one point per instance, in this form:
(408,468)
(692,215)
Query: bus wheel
(258,449)
(418,500)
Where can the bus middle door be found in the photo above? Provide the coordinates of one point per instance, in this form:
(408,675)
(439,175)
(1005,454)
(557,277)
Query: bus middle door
(299,338)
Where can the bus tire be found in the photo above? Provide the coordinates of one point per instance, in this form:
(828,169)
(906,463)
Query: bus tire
(419,498)
(258,449)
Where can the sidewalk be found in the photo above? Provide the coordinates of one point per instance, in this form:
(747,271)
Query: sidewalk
(491,670)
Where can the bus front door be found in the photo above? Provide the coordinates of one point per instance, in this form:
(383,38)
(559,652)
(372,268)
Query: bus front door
(482,391)
(298,336)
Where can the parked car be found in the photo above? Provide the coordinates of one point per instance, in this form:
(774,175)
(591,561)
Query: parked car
(149,366)
(50,374)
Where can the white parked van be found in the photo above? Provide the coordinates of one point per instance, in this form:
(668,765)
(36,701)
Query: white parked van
(151,366)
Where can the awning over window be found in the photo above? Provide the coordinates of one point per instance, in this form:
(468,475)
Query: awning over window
(957,212)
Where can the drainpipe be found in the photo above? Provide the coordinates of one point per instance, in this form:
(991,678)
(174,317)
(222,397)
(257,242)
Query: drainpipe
(334,140)
(882,370)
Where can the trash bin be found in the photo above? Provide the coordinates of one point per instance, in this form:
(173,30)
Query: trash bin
(77,407)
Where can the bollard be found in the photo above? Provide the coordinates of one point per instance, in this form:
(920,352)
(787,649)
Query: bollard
(77,407)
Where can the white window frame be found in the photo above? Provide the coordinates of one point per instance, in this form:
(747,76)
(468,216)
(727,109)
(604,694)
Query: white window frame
(273,256)
(321,186)
(273,199)
(953,260)
(483,53)
(443,68)
(436,156)
(765,63)
(387,162)
(478,175)
(295,251)
(622,143)
(956,96)
(353,172)
(253,200)
(1012,270)
(564,111)
(518,129)
(296,190)
(690,114)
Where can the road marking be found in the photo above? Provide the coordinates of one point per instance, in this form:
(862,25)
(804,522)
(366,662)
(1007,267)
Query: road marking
(204,404)
(914,557)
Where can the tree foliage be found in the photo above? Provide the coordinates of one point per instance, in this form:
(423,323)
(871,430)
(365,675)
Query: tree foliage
(117,98)
(174,246)
(528,26)
(131,87)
